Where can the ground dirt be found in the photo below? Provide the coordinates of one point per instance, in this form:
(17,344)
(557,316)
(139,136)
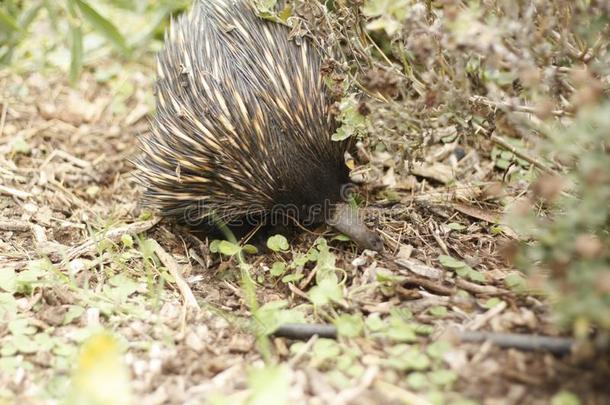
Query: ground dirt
(67,197)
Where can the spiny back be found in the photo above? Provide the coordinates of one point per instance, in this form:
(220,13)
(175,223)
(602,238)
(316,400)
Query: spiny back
(242,119)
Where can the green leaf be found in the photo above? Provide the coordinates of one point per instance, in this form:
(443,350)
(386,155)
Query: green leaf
(298,348)
(404,314)
(461,268)
(401,331)
(385,276)
(349,325)
(8,22)
(8,349)
(450,262)
(291,278)
(227,248)
(277,243)
(326,291)
(353,124)
(76,53)
(74,311)
(21,326)
(515,282)
(438,311)
(265,6)
(273,314)
(438,349)
(374,323)
(492,302)
(300,260)
(102,25)
(422,329)
(565,398)
(455,226)
(127,240)
(64,350)
(249,249)
(25,344)
(269,385)
(417,380)
(443,378)
(404,357)
(476,276)
(20,146)
(147,248)
(10,364)
(122,288)
(342,238)
(278,269)
(44,341)
(415,360)
(8,304)
(214,246)
(8,280)
(152,25)
(324,349)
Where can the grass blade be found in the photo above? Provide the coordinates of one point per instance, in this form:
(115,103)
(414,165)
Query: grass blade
(8,22)
(101,24)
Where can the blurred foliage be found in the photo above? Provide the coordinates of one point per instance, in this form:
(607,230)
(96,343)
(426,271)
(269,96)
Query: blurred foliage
(569,256)
(525,83)
(73,33)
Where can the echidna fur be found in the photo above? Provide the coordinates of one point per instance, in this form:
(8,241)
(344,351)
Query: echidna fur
(242,124)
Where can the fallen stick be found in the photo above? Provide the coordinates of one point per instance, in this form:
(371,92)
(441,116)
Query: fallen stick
(113,234)
(555,345)
(14,225)
(304,331)
(176,271)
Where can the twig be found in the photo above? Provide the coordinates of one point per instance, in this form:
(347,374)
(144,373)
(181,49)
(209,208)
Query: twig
(419,268)
(555,345)
(481,320)
(174,269)
(430,285)
(14,225)
(298,292)
(3,117)
(407,294)
(438,239)
(392,392)
(113,234)
(478,288)
(592,52)
(304,350)
(499,141)
(83,164)
(14,192)
(304,331)
(350,395)
(513,107)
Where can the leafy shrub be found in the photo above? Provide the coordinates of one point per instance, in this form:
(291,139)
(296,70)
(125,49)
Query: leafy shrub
(570,252)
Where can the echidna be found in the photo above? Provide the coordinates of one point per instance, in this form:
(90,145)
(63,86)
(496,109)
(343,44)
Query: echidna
(243,132)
